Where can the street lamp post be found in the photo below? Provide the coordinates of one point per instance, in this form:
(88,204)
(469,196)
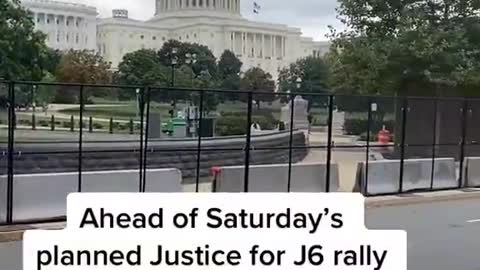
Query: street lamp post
(191,59)
(174,60)
(138,101)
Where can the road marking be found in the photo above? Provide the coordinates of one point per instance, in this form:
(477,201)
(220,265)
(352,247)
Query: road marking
(473,221)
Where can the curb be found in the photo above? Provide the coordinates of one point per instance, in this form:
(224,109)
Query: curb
(421,198)
(15,233)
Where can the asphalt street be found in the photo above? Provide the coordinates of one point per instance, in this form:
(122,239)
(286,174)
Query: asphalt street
(441,235)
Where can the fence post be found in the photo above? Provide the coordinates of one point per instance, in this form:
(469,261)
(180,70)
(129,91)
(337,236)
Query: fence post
(199,143)
(131,127)
(144,168)
(434,141)
(142,114)
(11,138)
(463,142)
(330,142)
(369,125)
(72,124)
(111,126)
(248,143)
(90,124)
(80,141)
(291,97)
(402,149)
(34,125)
(52,123)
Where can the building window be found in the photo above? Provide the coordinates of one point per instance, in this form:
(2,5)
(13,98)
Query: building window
(68,23)
(200,3)
(48,21)
(188,37)
(179,38)
(142,37)
(163,38)
(58,37)
(76,39)
(212,35)
(154,38)
(131,35)
(194,3)
(86,40)
(58,21)
(76,23)
(195,35)
(68,37)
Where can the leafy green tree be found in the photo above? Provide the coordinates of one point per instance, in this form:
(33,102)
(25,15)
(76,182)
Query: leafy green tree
(51,60)
(82,67)
(229,64)
(142,68)
(314,75)
(257,80)
(205,58)
(406,47)
(21,47)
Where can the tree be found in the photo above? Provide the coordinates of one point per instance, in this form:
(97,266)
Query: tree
(51,60)
(205,58)
(229,64)
(257,80)
(406,47)
(142,68)
(21,48)
(314,75)
(81,67)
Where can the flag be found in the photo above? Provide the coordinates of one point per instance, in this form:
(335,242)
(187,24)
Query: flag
(256,8)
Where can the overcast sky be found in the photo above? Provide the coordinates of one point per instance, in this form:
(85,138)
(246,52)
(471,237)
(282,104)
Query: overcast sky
(313,16)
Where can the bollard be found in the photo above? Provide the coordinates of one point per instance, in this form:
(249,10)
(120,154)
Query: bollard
(111,125)
(72,124)
(131,126)
(34,126)
(90,124)
(52,123)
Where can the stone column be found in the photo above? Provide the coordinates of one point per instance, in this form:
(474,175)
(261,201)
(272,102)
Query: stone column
(254,45)
(263,46)
(243,43)
(55,18)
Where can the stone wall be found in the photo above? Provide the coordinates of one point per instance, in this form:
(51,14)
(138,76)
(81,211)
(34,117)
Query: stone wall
(180,154)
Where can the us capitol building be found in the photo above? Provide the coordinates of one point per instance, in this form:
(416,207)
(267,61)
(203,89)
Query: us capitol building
(217,24)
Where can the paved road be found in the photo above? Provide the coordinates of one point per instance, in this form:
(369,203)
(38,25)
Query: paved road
(441,236)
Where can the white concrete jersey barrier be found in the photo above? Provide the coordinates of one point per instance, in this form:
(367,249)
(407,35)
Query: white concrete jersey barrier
(43,196)
(472,172)
(274,178)
(384,176)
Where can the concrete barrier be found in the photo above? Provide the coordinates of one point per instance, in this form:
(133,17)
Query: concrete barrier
(472,172)
(384,176)
(274,178)
(43,196)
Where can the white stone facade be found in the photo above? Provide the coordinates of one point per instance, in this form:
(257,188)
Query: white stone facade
(217,24)
(67,25)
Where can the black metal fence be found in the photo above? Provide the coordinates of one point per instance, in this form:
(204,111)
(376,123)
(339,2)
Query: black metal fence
(109,127)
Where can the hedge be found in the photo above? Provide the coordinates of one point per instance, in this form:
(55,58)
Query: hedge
(232,124)
(359,126)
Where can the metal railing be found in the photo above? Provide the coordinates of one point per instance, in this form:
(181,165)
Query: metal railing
(20,144)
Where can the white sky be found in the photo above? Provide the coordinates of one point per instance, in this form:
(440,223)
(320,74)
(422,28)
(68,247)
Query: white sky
(312,16)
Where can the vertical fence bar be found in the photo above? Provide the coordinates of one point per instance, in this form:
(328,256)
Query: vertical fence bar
(329,144)
(248,143)
(72,124)
(402,147)
(34,120)
(434,141)
(463,142)
(11,138)
(290,147)
(140,186)
(369,125)
(90,124)
(52,122)
(80,141)
(144,179)
(199,143)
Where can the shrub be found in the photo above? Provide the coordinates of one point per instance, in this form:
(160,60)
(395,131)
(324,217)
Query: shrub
(360,126)
(97,125)
(44,123)
(237,125)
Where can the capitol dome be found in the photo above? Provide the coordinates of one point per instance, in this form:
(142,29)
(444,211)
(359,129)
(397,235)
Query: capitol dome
(188,8)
